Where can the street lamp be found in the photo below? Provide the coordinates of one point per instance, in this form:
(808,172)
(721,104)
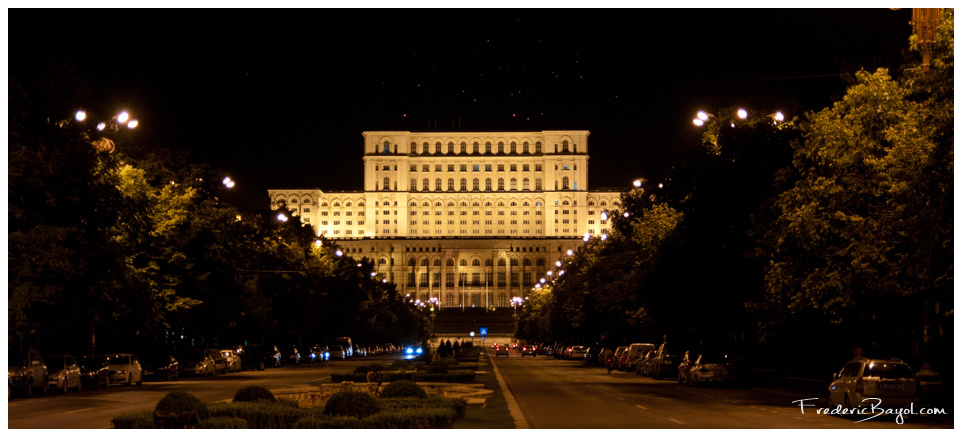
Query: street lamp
(228,182)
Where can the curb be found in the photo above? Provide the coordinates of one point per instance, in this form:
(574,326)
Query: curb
(519,420)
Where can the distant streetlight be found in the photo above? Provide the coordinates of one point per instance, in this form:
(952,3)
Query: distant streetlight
(742,113)
(228,182)
(281,217)
(338,252)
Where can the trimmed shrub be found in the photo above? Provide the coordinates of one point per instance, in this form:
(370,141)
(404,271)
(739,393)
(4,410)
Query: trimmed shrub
(377,367)
(452,362)
(459,405)
(437,367)
(253,393)
(179,409)
(403,389)
(351,403)
(362,369)
(261,414)
(340,422)
(413,418)
(400,364)
(137,420)
(222,423)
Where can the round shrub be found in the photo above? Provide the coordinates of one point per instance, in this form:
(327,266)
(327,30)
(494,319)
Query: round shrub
(452,362)
(179,409)
(437,367)
(362,369)
(253,393)
(377,367)
(400,364)
(351,403)
(403,389)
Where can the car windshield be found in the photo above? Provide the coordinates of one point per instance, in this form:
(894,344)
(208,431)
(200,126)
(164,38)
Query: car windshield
(888,370)
(118,359)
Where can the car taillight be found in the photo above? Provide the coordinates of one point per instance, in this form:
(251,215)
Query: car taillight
(859,386)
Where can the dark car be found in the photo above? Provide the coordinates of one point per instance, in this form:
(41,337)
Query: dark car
(198,362)
(666,360)
(160,365)
(26,373)
(292,355)
(258,356)
(93,371)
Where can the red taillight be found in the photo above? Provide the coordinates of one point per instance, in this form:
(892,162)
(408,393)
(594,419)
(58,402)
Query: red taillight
(859,386)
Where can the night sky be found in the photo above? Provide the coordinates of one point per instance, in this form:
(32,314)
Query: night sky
(279,98)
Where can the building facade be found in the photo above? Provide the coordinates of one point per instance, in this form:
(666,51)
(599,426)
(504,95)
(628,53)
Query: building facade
(469,219)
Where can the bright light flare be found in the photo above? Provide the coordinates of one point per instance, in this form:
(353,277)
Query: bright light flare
(80,116)
(101,126)
(281,217)
(703,116)
(742,114)
(698,122)
(779,117)
(637,183)
(123,117)
(133,124)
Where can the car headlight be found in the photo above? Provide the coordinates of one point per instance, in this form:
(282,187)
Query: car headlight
(409,351)
(419,351)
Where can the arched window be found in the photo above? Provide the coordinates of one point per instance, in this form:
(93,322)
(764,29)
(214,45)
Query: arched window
(450,262)
(539,262)
(476,184)
(387,183)
(514,147)
(437,148)
(514,183)
(475,262)
(437,262)
(411,262)
(414,147)
(382,261)
(500,147)
(524,148)
(537,147)
(387,147)
(424,262)
(414,204)
(425,184)
(487,147)
(514,262)
(487,262)
(487,184)
(500,184)
(464,184)
(450,148)
(464,147)
(451,184)
(438,204)
(564,146)
(527,262)
(348,204)
(500,262)
(437,184)
(425,148)
(537,184)
(463,263)
(426,204)
(524,184)
(564,183)
(476,148)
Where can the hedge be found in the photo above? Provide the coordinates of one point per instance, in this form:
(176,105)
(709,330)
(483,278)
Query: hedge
(260,414)
(222,423)
(135,420)
(412,418)
(458,376)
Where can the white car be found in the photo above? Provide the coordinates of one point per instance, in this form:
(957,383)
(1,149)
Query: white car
(233,360)
(63,373)
(892,382)
(124,369)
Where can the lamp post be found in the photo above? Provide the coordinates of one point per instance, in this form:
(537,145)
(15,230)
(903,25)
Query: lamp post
(112,125)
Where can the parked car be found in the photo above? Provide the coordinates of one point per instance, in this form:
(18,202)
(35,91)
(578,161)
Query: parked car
(635,352)
(258,356)
(233,360)
(93,371)
(577,353)
(63,373)
(200,362)
(712,367)
(312,354)
(26,373)
(684,366)
(292,355)
(643,367)
(160,365)
(337,352)
(502,350)
(665,361)
(616,359)
(124,369)
(892,381)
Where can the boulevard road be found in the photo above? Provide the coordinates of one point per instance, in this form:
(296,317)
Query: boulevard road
(552,393)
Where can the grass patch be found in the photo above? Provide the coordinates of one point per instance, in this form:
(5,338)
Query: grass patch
(495,414)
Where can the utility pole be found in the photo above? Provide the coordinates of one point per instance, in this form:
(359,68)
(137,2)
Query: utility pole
(925,21)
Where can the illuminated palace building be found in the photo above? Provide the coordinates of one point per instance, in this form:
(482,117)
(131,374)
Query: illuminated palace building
(470,219)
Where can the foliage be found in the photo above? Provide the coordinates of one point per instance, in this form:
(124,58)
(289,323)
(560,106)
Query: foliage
(261,414)
(403,389)
(177,402)
(134,420)
(351,403)
(222,423)
(253,393)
